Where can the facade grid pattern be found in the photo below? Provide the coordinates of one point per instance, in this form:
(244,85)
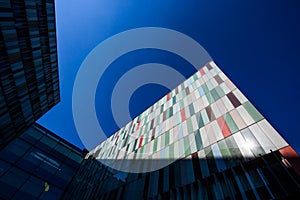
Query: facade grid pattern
(29,84)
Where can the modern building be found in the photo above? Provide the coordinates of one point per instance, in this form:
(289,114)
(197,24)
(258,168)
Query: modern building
(29,84)
(37,165)
(203,140)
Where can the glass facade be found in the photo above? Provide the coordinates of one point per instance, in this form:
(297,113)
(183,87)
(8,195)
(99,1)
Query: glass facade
(37,165)
(29,84)
(203,140)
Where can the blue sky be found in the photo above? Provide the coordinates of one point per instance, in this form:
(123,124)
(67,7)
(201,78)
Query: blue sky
(255,43)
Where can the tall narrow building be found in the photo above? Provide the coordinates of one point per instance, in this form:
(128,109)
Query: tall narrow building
(203,140)
(29,84)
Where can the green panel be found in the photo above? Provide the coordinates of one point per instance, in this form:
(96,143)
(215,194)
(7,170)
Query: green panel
(187,148)
(167,113)
(174,100)
(205,88)
(224,149)
(195,77)
(171,150)
(155,145)
(230,123)
(189,125)
(204,116)
(192,111)
(199,120)
(253,111)
(181,104)
(171,111)
(214,94)
(220,91)
(167,137)
(209,98)
(198,140)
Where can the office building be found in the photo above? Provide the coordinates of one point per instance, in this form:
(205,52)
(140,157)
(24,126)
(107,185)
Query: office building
(37,165)
(29,84)
(204,139)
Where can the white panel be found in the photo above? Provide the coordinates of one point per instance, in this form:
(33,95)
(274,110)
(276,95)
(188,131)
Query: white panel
(214,82)
(230,85)
(194,123)
(209,85)
(201,81)
(180,132)
(215,110)
(196,94)
(176,149)
(192,143)
(237,119)
(187,112)
(216,151)
(227,103)
(201,154)
(171,136)
(204,116)
(263,140)
(158,143)
(210,133)
(243,146)
(221,106)
(223,76)
(245,115)
(205,101)
(214,66)
(175,134)
(197,105)
(184,128)
(181,147)
(240,96)
(217,130)
(163,141)
(276,139)
(204,137)
(213,72)
(205,78)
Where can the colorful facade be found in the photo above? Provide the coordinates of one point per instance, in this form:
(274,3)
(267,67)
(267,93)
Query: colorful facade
(203,140)
(206,114)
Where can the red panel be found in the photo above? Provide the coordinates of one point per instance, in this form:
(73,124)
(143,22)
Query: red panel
(139,124)
(116,134)
(168,97)
(293,159)
(141,141)
(225,130)
(182,115)
(202,72)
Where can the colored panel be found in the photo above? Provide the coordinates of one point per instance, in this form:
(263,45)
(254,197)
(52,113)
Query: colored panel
(182,115)
(210,113)
(141,142)
(237,119)
(253,111)
(223,126)
(202,71)
(198,140)
(235,102)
